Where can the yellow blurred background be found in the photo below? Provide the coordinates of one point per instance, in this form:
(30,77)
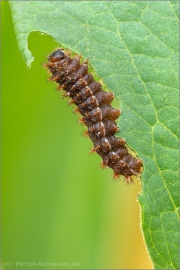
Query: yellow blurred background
(58,206)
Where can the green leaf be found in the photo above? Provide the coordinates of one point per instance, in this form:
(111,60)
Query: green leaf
(133,47)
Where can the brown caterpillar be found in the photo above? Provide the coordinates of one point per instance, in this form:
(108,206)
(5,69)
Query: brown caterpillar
(98,115)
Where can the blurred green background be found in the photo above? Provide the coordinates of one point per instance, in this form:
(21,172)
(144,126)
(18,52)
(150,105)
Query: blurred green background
(58,206)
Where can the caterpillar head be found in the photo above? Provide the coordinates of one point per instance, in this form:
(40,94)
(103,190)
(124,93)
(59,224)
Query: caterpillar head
(56,55)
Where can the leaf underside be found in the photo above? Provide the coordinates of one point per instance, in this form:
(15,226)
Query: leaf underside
(133,47)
